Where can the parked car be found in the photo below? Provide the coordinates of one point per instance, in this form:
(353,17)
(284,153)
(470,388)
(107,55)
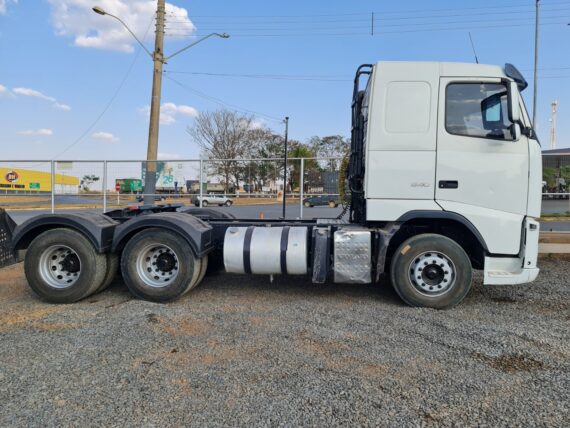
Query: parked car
(316,201)
(212,199)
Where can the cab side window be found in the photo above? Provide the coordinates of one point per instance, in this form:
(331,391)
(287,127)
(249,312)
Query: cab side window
(478,110)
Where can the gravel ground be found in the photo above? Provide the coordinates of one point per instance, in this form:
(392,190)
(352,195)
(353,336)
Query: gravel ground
(241,351)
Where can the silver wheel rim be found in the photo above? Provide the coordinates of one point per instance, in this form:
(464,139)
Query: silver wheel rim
(157,265)
(432,273)
(60,266)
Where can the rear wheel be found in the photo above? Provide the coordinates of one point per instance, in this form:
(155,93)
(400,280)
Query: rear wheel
(307,204)
(159,266)
(333,204)
(431,270)
(204,203)
(228,203)
(112,269)
(62,266)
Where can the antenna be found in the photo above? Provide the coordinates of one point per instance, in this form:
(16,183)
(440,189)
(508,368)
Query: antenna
(473,47)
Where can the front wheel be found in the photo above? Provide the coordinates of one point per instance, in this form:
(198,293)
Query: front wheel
(307,204)
(204,203)
(333,204)
(431,270)
(228,203)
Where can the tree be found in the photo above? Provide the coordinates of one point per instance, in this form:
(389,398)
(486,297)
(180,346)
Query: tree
(87,181)
(332,146)
(224,135)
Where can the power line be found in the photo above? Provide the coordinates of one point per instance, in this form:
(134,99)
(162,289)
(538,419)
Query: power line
(317,78)
(221,102)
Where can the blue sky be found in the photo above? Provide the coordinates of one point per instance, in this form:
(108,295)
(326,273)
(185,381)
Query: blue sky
(62,65)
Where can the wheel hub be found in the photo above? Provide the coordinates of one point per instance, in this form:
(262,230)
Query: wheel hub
(60,266)
(157,265)
(432,273)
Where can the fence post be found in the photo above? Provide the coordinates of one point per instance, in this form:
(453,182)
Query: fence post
(53,187)
(201,180)
(104,186)
(301,188)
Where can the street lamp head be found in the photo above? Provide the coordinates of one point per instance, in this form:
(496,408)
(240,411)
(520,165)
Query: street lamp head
(227,36)
(99,10)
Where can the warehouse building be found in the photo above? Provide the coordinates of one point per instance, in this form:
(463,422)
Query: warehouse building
(25,181)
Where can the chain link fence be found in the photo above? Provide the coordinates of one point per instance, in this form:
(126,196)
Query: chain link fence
(105,185)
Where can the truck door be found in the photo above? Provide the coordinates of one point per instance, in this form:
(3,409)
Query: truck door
(482,172)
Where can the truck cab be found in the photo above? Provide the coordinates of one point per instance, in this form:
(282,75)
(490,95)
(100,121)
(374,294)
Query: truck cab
(450,145)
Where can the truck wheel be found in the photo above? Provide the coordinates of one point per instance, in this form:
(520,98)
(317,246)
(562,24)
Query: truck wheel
(228,203)
(112,269)
(62,266)
(158,265)
(204,203)
(432,271)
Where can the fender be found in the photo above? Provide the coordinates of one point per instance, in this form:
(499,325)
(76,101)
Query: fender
(97,228)
(196,232)
(443,215)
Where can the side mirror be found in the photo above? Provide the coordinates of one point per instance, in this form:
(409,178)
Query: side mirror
(513,103)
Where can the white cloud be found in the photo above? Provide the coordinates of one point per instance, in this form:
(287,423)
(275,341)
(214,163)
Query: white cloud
(105,136)
(169,156)
(37,132)
(3,89)
(170,111)
(75,18)
(28,92)
(4,5)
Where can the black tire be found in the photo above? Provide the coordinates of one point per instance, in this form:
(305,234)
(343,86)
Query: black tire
(333,204)
(92,266)
(443,268)
(203,269)
(228,203)
(307,204)
(204,203)
(183,263)
(112,269)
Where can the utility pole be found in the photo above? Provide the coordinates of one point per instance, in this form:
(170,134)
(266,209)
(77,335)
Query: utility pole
(285,165)
(152,149)
(536,34)
(553,123)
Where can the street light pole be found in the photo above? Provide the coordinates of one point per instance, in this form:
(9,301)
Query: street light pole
(154,125)
(536,34)
(285,165)
(159,60)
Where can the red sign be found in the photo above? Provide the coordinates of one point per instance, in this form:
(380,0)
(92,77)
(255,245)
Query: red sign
(118,187)
(11,176)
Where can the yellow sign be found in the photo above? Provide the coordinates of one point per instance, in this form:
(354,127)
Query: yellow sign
(38,181)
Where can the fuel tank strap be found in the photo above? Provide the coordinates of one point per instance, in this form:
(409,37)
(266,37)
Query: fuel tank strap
(284,245)
(247,250)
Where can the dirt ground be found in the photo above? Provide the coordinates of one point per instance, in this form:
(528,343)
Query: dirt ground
(244,351)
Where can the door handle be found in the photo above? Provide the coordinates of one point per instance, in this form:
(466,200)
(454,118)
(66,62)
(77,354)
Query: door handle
(448,184)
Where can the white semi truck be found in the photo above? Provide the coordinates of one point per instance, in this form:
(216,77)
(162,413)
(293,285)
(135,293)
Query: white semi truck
(444,177)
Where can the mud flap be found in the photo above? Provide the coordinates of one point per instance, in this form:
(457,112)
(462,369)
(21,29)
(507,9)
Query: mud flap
(7,226)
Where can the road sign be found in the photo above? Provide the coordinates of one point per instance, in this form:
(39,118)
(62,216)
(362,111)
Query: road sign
(34,186)
(118,187)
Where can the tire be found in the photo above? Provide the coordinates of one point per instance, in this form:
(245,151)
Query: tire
(204,203)
(448,279)
(203,270)
(333,204)
(307,204)
(79,272)
(228,203)
(112,269)
(176,268)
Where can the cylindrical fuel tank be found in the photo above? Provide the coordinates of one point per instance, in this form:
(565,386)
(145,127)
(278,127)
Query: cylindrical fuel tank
(266,250)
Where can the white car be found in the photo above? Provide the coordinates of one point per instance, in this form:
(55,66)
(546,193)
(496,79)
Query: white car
(212,199)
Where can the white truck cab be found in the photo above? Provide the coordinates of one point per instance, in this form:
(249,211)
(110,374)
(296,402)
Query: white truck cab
(454,141)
